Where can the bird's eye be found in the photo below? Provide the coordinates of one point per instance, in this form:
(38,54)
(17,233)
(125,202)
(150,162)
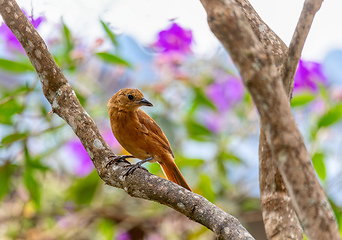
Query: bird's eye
(130,97)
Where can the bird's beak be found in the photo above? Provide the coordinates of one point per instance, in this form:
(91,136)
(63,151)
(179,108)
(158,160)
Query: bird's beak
(145,102)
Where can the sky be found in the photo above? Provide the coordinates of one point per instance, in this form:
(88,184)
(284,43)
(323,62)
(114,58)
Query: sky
(143,19)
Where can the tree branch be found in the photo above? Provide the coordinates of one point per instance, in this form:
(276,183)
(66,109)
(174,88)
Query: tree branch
(280,219)
(257,68)
(140,184)
(270,41)
(282,222)
(279,215)
(297,43)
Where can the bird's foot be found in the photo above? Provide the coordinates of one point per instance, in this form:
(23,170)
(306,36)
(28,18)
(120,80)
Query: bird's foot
(137,165)
(115,158)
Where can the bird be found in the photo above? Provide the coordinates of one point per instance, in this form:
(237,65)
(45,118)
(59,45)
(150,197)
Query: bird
(140,135)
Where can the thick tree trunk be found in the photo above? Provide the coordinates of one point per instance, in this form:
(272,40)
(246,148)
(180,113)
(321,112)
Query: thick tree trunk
(262,79)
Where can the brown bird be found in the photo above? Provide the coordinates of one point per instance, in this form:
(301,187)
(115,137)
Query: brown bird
(140,135)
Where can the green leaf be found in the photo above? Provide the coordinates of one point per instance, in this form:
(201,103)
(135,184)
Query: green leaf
(106,229)
(154,169)
(68,38)
(198,233)
(17,67)
(250,204)
(80,97)
(318,163)
(323,92)
(32,186)
(110,34)
(6,172)
(196,131)
(13,137)
(7,110)
(113,59)
(22,89)
(193,162)
(221,168)
(202,99)
(184,161)
(30,181)
(83,191)
(313,133)
(36,164)
(302,99)
(228,156)
(332,116)
(206,188)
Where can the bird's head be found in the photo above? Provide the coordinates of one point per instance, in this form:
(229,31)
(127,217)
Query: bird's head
(128,98)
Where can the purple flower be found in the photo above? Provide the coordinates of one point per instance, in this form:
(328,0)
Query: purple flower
(10,39)
(225,92)
(215,122)
(83,164)
(123,236)
(174,39)
(308,76)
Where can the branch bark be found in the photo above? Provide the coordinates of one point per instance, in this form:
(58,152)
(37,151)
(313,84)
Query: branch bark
(269,39)
(257,68)
(297,43)
(279,216)
(140,184)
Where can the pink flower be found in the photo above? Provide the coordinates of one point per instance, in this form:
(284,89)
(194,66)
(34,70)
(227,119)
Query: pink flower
(174,39)
(123,236)
(308,76)
(83,164)
(225,92)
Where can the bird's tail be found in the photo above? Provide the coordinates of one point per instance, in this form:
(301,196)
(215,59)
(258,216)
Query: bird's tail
(173,174)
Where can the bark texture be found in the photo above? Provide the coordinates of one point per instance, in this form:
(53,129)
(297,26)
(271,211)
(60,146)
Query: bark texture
(297,43)
(140,184)
(257,68)
(280,219)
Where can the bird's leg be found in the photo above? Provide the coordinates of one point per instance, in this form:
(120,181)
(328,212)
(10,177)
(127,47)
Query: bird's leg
(115,158)
(137,165)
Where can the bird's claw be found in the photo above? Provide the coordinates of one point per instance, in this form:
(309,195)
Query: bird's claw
(131,169)
(122,158)
(137,165)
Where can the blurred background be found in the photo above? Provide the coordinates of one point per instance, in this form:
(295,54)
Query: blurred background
(49,188)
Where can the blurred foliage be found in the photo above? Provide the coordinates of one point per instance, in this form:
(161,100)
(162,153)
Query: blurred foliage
(45,197)
(111,58)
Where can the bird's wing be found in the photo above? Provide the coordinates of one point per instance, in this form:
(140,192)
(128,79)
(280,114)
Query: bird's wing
(150,127)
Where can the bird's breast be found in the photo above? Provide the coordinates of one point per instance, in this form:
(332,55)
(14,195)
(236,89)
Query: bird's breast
(128,132)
